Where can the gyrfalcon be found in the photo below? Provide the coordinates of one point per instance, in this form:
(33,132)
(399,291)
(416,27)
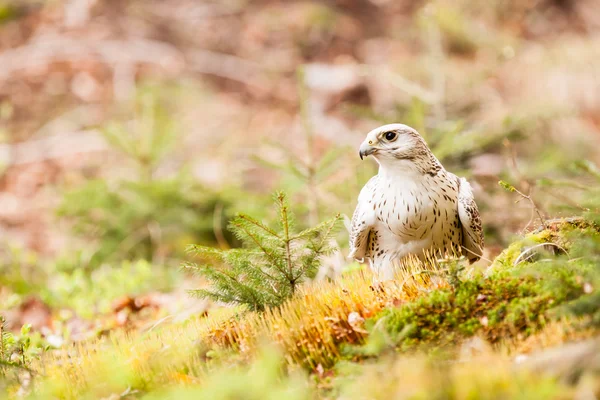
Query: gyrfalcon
(413,206)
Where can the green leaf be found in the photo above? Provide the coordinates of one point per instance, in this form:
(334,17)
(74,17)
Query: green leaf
(25,329)
(507,186)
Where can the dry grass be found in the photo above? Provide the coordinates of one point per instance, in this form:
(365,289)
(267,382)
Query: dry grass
(107,366)
(554,333)
(309,328)
(312,325)
(484,376)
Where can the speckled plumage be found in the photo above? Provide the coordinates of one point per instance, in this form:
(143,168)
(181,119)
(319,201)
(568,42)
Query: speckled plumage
(412,206)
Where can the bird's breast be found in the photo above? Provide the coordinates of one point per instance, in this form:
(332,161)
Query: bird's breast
(414,211)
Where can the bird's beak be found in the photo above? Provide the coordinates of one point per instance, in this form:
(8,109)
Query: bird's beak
(366,149)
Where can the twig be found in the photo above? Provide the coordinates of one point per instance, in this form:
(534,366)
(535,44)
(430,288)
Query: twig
(534,207)
(287,240)
(155,235)
(529,249)
(417,273)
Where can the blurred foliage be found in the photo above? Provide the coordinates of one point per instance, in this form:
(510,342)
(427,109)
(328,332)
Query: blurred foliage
(151,220)
(485,376)
(148,217)
(63,283)
(20,271)
(91,293)
(456,78)
(313,178)
(17,351)
(581,196)
(271,266)
(264,378)
(459,38)
(7,12)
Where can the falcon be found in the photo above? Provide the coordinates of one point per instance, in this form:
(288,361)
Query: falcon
(412,207)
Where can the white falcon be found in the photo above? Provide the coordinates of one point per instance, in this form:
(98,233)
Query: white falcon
(413,206)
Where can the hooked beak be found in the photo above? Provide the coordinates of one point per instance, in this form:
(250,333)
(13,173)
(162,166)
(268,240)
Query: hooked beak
(366,149)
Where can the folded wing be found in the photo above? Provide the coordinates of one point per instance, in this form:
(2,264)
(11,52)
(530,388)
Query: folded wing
(362,222)
(471,222)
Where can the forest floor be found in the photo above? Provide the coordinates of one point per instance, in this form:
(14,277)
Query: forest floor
(130,130)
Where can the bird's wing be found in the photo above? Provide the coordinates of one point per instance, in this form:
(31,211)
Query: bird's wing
(362,221)
(471,222)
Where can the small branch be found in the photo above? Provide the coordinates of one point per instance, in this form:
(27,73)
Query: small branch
(524,257)
(534,207)
(259,224)
(260,246)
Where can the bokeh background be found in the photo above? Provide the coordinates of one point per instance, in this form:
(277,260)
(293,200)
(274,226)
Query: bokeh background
(132,128)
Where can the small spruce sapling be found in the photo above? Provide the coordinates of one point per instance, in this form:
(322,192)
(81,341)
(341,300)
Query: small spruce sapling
(16,354)
(272,264)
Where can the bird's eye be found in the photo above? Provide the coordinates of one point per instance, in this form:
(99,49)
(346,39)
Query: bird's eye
(390,136)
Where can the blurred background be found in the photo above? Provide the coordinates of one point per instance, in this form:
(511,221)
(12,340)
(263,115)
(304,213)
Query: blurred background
(132,128)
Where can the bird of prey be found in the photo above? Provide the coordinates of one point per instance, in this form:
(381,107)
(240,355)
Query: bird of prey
(413,206)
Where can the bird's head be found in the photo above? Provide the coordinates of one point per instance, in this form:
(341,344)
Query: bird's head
(391,144)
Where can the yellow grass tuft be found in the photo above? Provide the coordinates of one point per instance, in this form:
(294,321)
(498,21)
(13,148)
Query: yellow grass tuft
(107,366)
(309,328)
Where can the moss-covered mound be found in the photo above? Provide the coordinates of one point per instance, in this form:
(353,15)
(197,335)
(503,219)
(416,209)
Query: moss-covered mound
(555,237)
(514,297)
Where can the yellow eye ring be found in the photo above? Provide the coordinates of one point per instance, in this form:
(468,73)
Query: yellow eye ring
(370,142)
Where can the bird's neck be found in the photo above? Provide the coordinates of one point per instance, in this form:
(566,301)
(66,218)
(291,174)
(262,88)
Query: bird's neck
(400,169)
(410,169)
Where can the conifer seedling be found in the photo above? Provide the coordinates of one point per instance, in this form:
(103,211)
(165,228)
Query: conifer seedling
(272,264)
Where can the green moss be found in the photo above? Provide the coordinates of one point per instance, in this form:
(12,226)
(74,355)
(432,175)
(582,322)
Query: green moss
(508,301)
(558,232)
(494,307)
